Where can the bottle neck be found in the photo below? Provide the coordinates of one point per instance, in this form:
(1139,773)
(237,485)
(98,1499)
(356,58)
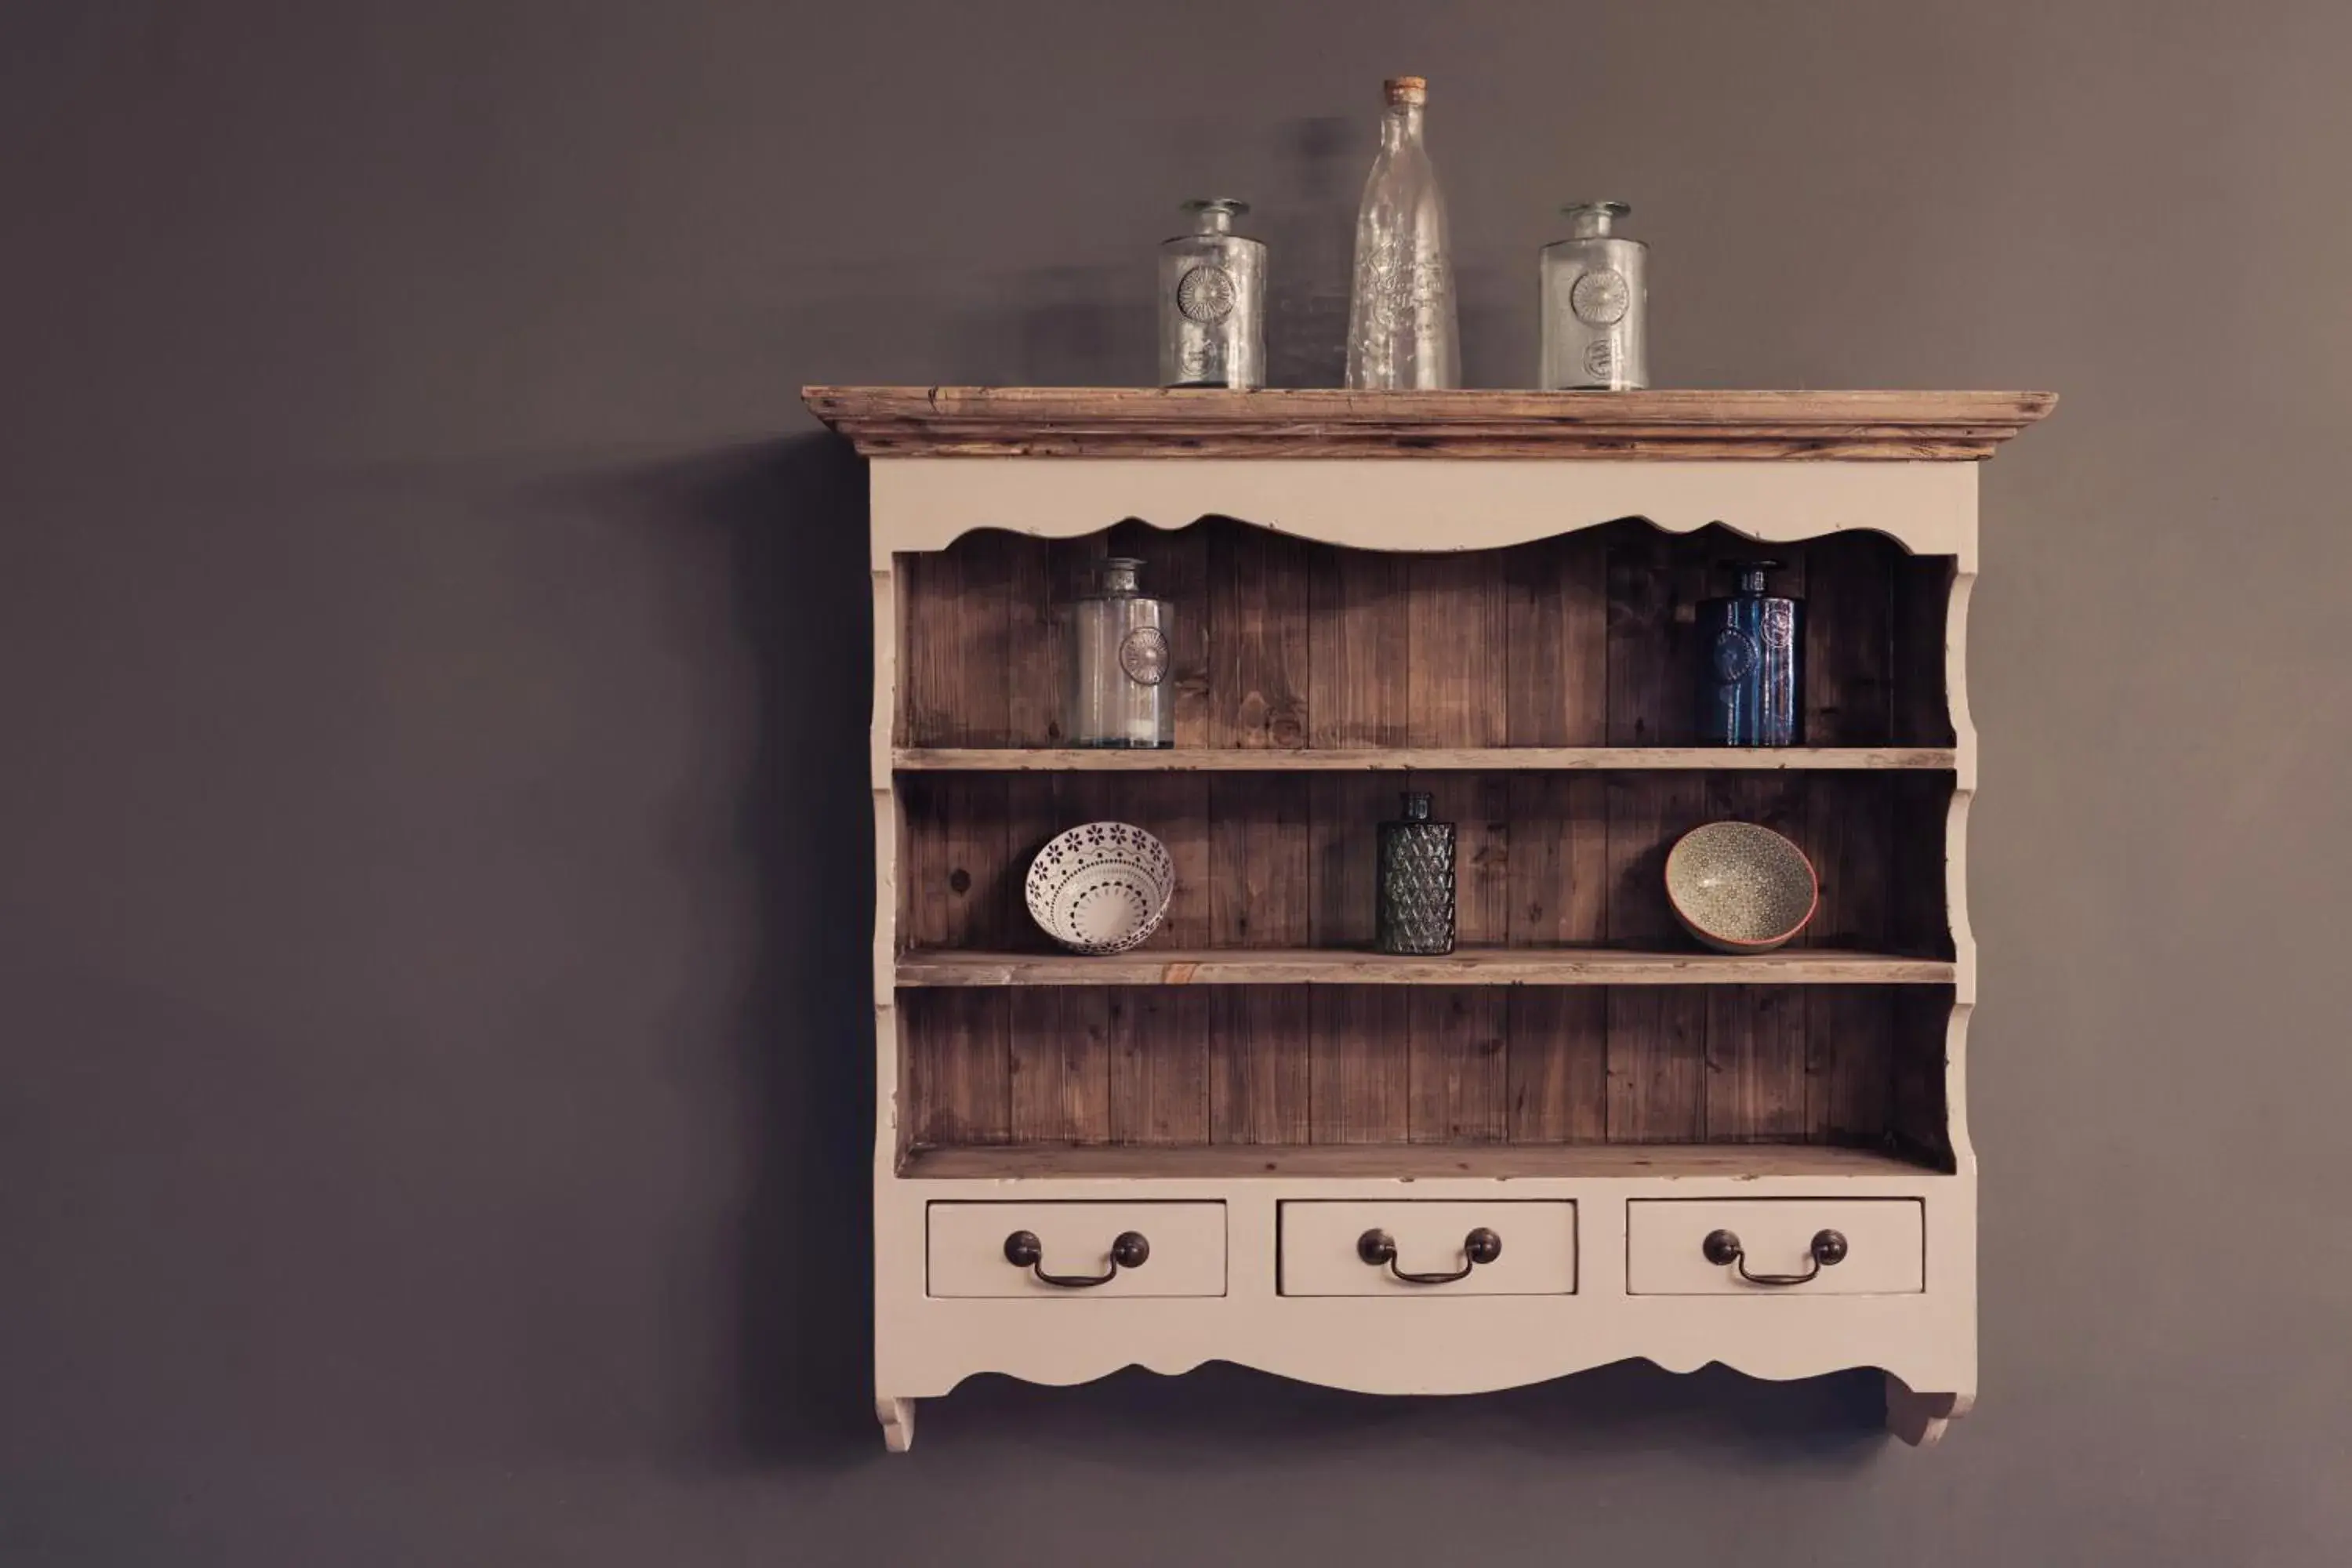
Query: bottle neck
(1400,125)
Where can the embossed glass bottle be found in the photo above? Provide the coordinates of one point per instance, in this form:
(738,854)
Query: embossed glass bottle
(1403,329)
(1416,882)
(1751,692)
(1212,301)
(1115,663)
(1595,304)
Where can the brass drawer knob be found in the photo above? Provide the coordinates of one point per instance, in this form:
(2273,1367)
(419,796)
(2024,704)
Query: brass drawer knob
(1722,1248)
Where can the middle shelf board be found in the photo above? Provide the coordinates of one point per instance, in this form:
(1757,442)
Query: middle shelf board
(1431,759)
(1464,966)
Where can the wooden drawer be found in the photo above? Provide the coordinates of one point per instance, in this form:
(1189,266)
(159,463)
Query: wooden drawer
(1323,1241)
(1666,1241)
(967,1249)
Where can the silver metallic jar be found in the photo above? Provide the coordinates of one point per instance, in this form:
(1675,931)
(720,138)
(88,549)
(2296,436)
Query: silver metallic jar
(1595,305)
(1116,689)
(1212,301)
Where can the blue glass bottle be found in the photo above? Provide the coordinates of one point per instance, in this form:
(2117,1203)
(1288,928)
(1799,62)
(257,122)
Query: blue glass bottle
(1751,690)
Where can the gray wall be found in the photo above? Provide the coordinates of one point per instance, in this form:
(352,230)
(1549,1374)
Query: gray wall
(432,1031)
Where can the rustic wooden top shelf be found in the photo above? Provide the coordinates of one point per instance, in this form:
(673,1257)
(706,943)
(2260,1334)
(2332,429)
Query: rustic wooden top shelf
(1464,966)
(1675,424)
(1425,758)
(1398,1161)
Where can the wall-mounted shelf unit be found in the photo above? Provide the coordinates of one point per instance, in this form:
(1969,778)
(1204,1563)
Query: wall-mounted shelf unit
(1487,596)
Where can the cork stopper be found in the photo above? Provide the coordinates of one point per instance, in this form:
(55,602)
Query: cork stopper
(1406,88)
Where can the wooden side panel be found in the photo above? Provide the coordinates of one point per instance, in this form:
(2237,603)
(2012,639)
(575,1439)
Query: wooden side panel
(1923,591)
(1258,609)
(1460,1071)
(1919,1113)
(1359,649)
(1360,1069)
(1158,1065)
(1558,1064)
(1917,918)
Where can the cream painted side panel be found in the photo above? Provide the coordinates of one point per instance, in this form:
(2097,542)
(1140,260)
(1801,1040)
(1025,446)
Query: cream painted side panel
(1886,1248)
(1319,1256)
(1187,1257)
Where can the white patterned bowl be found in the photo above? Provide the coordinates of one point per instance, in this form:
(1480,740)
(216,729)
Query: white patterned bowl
(1740,887)
(1100,888)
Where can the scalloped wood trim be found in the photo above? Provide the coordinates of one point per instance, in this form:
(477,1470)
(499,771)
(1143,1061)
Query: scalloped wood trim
(1676,424)
(1444,504)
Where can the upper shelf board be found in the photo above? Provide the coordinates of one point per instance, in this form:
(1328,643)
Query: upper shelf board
(1421,759)
(1678,424)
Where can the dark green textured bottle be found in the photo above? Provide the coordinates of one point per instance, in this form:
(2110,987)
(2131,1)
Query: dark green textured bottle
(1416,885)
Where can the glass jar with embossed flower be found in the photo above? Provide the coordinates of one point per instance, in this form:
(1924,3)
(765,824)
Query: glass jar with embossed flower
(1595,304)
(1115,656)
(1212,301)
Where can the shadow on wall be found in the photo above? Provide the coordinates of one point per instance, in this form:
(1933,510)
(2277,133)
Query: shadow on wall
(794,518)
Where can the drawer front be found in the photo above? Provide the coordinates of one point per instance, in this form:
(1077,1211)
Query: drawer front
(1323,1243)
(1666,1246)
(1186,1257)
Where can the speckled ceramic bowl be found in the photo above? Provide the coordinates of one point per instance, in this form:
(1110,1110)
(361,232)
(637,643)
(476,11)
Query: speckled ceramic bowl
(1100,888)
(1739,888)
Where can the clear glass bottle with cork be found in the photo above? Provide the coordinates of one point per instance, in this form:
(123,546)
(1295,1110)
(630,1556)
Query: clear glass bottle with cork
(1402,325)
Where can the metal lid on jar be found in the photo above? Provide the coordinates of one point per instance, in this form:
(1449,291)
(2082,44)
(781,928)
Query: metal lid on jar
(1406,88)
(1216,215)
(1593,220)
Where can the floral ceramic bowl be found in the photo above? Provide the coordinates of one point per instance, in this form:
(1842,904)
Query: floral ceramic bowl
(1739,888)
(1100,888)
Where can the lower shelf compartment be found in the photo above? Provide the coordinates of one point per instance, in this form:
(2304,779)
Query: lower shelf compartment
(1014,1161)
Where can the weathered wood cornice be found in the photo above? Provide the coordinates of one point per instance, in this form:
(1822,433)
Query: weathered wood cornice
(1681,423)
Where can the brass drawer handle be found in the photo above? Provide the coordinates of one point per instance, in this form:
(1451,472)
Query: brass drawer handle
(1024,1250)
(1481,1246)
(1722,1247)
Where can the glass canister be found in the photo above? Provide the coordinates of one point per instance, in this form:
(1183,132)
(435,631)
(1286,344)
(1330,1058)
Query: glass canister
(1212,301)
(1416,882)
(1115,663)
(1752,690)
(1595,305)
